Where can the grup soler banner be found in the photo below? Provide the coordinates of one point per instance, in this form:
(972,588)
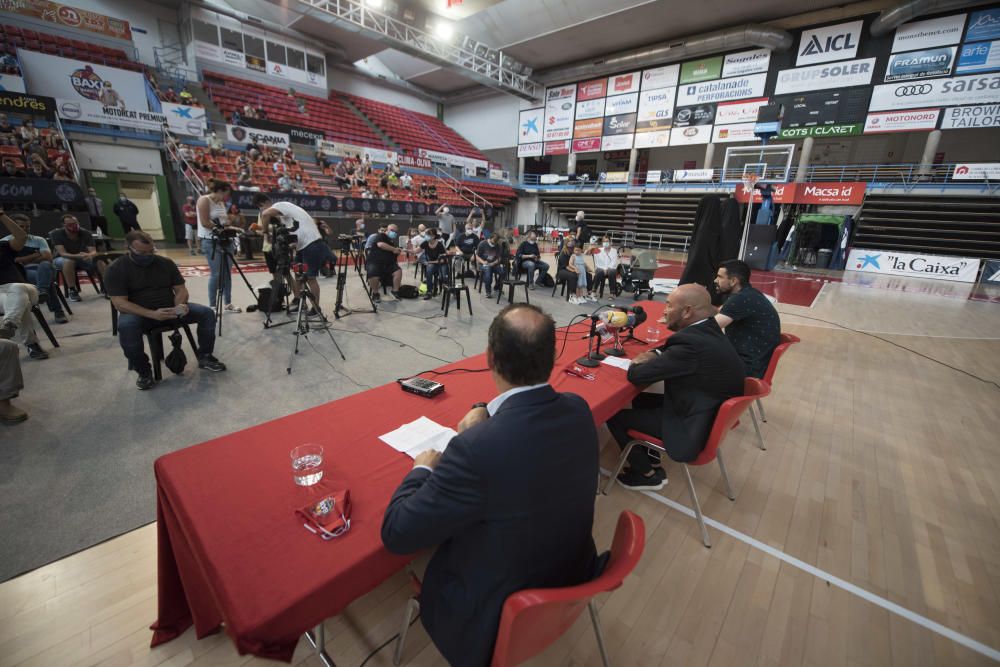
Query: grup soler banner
(980,115)
(959,90)
(823,77)
(238,134)
(70,79)
(902,121)
(936,267)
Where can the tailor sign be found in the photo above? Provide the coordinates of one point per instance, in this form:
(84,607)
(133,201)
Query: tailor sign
(980,115)
(911,265)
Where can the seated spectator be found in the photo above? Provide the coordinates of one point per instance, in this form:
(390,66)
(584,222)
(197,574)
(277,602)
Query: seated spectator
(243,162)
(17,298)
(435,259)
(186,154)
(393,181)
(35,260)
(406,181)
(370,241)
(382,265)
(529,259)
(360,180)
(11,383)
(244,182)
(75,250)
(367,194)
(606,263)
(171,96)
(300,104)
(186,97)
(432,192)
(489,259)
(8,133)
(567,270)
(340,176)
(498,525)
(273,154)
(29,132)
(214,144)
(62,174)
(236,119)
(279,167)
(750,319)
(38,170)
(11,170)
(288,156)
(248,111)
(35,151)
(261,113)
(149,292)
(466,242)
(298,185)
(383,179)
(284,183)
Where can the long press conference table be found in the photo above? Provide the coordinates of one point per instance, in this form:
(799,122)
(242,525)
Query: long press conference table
(231,551)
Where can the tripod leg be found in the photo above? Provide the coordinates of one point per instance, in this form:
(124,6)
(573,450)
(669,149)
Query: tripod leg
(315,304)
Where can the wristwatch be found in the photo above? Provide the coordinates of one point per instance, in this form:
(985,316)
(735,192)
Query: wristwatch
(480,404)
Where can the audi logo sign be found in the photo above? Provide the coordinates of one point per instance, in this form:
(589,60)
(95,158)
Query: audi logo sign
(908,91)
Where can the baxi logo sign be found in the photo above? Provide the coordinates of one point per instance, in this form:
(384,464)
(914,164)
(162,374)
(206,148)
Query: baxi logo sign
(836,42)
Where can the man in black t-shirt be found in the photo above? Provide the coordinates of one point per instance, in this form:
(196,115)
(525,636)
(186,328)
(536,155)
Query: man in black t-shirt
(381,262)
(752,324)
(529,259)
(74,249)
(435,261)
(149,292)
(489,256)
(581,232)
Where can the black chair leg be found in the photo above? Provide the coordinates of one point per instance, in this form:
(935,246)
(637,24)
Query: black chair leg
(114,320)
(468,298)
(527,299)
(45,325)
(62,300)
(156,354)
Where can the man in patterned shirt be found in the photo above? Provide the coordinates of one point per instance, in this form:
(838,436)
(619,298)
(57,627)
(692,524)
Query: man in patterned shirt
(751,322)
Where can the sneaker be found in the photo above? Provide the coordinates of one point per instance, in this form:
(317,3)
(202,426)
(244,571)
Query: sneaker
(426,297)
(12,415)
(74,295)
(36,352)
(145,382)
(531,286)
(635,481)
(7,329)
(230,308)
(193,253)
(654,456)
(591,298)
(395,295)
(210,363)
(60,318)
(376,297)
(489,295)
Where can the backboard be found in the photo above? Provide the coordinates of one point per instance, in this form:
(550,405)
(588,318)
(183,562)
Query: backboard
(771,162)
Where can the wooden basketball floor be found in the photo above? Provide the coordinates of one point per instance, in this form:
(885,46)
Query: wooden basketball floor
(866,533)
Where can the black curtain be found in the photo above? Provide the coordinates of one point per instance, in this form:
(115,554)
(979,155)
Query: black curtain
(732,230)
(703,255)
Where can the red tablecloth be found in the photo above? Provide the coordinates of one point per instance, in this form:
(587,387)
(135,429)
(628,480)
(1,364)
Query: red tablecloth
(230,548)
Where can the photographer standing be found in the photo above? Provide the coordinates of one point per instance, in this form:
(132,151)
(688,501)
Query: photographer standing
(311,249)
(211,217)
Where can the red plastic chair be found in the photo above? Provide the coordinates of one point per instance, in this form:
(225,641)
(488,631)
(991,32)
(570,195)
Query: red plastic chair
(726,418)
(534,618)
(786,341)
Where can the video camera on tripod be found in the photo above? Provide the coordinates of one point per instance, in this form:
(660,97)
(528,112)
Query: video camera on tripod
(282,241)
(222,233)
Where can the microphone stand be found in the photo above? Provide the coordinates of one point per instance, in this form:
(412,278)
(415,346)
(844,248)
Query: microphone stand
(616,350)
(594,357)
(631,336)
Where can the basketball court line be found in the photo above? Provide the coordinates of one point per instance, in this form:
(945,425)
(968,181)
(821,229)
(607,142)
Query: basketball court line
(847,586)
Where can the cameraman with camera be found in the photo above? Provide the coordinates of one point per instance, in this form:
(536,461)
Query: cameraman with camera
(311,249)
(212,220)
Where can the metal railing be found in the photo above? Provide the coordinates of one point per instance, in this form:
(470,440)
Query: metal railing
(460,189)
(183,167)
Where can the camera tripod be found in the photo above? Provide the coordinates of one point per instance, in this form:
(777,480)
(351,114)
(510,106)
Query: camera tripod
(349,256)
(223,244)
(302,328)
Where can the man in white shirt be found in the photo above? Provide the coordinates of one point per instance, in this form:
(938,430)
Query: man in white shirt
(606,266)
(406,181)
(311,249)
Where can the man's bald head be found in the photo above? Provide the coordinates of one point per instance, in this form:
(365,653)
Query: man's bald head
(522,345)
(686,305)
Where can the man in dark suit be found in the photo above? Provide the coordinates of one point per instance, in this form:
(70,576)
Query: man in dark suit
(699,369)
(510,503)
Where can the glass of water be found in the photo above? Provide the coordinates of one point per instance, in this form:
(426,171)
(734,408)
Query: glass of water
(653,333)
(307,464)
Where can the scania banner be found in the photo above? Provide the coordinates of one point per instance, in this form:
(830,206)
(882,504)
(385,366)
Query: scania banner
(238,134)
(935,267)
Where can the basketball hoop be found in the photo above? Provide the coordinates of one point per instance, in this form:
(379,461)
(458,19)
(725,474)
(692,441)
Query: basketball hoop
(749,181)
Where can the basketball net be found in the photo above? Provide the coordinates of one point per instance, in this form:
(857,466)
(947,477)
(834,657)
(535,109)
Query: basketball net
(750,180)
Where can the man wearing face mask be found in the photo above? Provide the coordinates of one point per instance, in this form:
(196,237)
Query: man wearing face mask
(529,258)
(148,292)
(488,257)
(382,265)
(606,266)
(74,250)
(581,232)
(127,212)
(446,223)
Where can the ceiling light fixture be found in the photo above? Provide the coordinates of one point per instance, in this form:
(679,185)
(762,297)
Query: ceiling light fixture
(374,4)
(444,31)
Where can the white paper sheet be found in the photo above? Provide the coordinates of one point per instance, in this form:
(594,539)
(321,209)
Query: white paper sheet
(618,362)
(419,436)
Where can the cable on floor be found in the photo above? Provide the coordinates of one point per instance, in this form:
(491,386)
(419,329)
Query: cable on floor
(386,643)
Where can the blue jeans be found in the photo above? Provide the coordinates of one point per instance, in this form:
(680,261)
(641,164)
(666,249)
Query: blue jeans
(435,273)
(42,275)
(529,266)
(131,329)
(215,264)
(490,273)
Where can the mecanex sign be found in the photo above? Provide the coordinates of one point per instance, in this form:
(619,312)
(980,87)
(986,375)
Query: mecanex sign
(822,77)
(936,267)
(722,90)
(973,89)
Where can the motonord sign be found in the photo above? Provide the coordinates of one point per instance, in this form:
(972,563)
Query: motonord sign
(911,265)
(835,42)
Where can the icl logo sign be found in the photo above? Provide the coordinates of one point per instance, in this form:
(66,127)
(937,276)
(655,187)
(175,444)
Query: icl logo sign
(831,43)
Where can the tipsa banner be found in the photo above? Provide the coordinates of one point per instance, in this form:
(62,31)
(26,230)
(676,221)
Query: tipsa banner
(69,79)
(238,134)
(936,267)
(31,105)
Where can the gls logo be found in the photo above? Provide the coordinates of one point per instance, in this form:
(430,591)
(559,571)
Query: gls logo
(910,91)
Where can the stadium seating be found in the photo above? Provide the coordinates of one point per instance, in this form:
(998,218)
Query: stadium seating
(412,130)
(14,38)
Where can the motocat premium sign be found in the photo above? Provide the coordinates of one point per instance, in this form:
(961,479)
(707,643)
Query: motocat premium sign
(936,267)
(823,77)
(959,90)
(94,112)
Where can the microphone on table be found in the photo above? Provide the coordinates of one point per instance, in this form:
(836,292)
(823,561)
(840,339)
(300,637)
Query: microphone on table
(622,318)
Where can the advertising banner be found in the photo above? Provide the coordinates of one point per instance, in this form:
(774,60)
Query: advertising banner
(654,139)
(784,193)
(979,57)
(936,267)
(559,107)
(589,145)
(616,177)
(656,104)
(689,175)
(413,161)
(902,121)
(557,147)
(959,90)
(529,125)
(592,127)
(739,112)
(701,70)
(591,90)
(256,64)
(85,111)
(834,107)
(315,203)
(686,136)
(183,119)
(699,115)
(32,105)
(616,142)
(64,78)
(238,134)
(621,104)
(977,171)
(233,58)
(449,159)
(835,42)
(590,109)
(925,64)
(623,83)
(991,272)
(983,25)
(737,88)
(746,62)
(653,125)
(619,124)
(71,17)
(823,77)
(377,155)
(42,191)
(529,150)
(725,134)
(298,135)
(660,77)
(932,32)
(848,130)
(11,83)
(825,193)
(986,115)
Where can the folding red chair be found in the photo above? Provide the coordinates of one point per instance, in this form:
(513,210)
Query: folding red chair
(534,618)
(726,418)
